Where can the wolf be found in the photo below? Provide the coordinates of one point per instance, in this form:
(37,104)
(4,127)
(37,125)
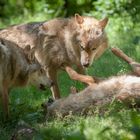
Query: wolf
(18,69)
(125,88)
(62,42)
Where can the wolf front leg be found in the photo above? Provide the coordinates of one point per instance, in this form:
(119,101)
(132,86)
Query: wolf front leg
(52,74)
(79,77)
(5,100)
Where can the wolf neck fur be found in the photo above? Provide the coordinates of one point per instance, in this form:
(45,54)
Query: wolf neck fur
(70,43)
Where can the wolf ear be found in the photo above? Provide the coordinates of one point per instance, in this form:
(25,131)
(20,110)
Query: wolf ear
(103,22)
(79,19)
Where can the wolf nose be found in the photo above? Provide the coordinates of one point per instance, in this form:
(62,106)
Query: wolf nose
(86,64)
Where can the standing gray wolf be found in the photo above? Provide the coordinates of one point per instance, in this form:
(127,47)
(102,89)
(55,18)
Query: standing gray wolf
(58,43)
(17,69)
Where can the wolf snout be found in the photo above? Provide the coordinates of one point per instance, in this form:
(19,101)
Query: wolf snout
(85,61)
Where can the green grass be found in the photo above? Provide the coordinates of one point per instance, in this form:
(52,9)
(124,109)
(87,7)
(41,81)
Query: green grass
(113,122)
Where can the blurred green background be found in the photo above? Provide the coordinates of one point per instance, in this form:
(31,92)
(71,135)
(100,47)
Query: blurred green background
(123,30)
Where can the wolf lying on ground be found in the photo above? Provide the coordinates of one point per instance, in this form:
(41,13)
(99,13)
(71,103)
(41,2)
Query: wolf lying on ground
(119,88)
(60,43)
(16,69)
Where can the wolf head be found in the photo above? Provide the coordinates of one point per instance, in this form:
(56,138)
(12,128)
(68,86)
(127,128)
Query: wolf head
(38,78)
(90,37)
(37,74)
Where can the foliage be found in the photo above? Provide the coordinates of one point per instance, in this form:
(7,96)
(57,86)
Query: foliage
(69,7)
(118,8)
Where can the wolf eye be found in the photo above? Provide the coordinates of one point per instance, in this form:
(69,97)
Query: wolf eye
(98,32)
